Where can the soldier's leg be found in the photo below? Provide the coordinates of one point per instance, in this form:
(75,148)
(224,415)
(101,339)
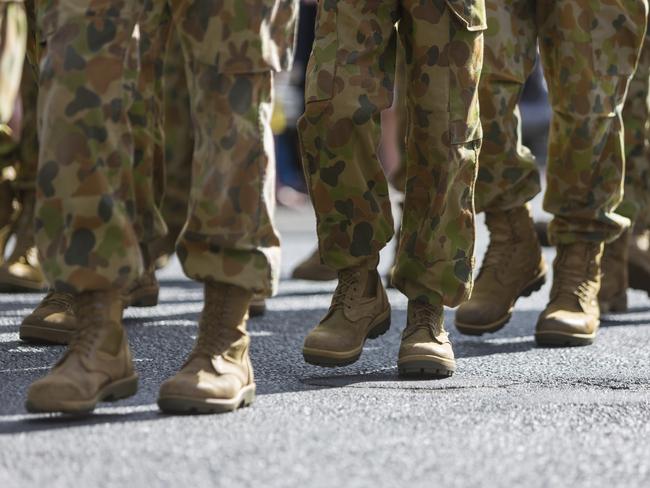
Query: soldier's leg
(178,149)
(349,82)
(589,54)
(624,262)
(444,53)
(147,119)
(229,241)
(508,176)
(85,202)
(636,114)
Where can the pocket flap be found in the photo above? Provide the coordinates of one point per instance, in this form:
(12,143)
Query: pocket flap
(470,12)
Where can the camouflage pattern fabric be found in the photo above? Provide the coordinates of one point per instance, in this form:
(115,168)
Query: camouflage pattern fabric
(636,118)
(146,118)
(13,38)
(588,51)
(350,81)
(179,140)
(27,149)
(86,199)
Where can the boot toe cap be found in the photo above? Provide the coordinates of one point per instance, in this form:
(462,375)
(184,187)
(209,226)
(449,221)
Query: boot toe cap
(421,343)
(49,391)
(481,313)
(567,323)
(330,340)
(201,386)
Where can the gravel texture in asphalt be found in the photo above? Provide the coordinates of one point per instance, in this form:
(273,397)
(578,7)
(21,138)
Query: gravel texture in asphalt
(512,415)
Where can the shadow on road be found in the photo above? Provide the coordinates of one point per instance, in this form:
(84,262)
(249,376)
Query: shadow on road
(161,338)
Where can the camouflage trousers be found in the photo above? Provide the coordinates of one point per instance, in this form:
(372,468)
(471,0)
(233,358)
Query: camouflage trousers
(86,204)
(636,118)
(178,144)
(589,52)
(350,81)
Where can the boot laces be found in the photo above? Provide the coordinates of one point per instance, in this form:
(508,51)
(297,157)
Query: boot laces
(569,282)
(425,316)
(212,340)
(61,299)
(348,279)
(83,340)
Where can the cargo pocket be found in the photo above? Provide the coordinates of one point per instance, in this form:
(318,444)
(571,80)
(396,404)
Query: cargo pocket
(468,21)
(321,70)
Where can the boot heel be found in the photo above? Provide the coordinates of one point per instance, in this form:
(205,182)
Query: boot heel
(121,389)
(379,329)
(248,398)
(534,286)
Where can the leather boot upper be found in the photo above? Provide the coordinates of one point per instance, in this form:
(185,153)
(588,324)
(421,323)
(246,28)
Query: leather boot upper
(639,261)
(98,353)
(425,333)
(54,311)
(312,269)
(219,366)
(573,305)
(513,260)
(614,282)
(359,302)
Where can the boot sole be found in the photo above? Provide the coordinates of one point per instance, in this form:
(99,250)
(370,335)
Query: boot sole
(9,284)
(559,339)
(478,330)
(112,392)
(144,297)
(425,366)
(188,405)
(334,359)
(43,334)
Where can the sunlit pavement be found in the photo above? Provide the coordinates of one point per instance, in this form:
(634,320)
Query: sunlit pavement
(512,415)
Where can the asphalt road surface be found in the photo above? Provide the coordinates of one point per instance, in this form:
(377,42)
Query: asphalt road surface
(512,415)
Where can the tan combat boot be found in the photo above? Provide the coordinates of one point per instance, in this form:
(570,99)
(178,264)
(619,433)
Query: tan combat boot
(513,267)
(145,290)
(639,262)
(22,271)
(359,310)
(313,270)
(218,375)
(97,365)
(52,321)
(425,349)
(572,316)
(612,296)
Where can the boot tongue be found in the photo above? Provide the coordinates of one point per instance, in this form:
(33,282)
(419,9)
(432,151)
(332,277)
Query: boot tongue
(422,316)
(573,269)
